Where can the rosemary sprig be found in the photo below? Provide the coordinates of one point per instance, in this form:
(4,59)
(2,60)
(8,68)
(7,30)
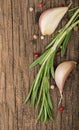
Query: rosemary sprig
(39,93)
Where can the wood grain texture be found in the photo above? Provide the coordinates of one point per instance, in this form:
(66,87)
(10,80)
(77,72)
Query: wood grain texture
(17,26)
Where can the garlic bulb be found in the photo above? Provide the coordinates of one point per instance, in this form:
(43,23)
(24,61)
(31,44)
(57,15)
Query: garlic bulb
(50,19)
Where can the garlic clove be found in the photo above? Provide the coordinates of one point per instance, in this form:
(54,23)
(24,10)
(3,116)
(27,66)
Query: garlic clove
(62,72)
(50,19)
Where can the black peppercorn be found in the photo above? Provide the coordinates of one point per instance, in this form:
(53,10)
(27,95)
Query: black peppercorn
(37,15)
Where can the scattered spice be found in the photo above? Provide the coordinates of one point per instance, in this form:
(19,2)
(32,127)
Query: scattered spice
(31,9)
(61,108)
(76,28)
(60,47)
(62,5)
(52,87)
(35,36)
(37,15)
(42,37)
(58,53)
(34,41)
(36,54)
(40,5)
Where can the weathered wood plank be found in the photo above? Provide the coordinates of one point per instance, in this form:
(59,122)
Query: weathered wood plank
(17,27)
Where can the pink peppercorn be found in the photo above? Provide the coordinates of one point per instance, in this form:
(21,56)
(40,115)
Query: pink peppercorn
(61,108)
(36,54)
(40,5)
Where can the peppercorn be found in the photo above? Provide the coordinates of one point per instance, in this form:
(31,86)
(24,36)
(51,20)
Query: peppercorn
(52,87)
(40,5)
(35,36)
(33,41)
(31,9)
(42,37)
(61,108)
(37,15)
(36,54)
(76,28)
(58,53)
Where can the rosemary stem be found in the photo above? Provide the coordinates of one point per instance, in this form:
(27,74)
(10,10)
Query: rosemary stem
(58,41)
(73,9)
(73,25)
(38,75)
(72,18)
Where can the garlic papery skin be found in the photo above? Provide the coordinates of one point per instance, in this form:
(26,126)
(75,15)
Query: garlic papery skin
(50,19)
(62,72)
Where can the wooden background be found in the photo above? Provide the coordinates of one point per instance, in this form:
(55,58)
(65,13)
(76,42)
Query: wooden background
(17,26)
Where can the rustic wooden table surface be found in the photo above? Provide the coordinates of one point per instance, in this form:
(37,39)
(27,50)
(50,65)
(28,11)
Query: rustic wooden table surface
(17,26)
